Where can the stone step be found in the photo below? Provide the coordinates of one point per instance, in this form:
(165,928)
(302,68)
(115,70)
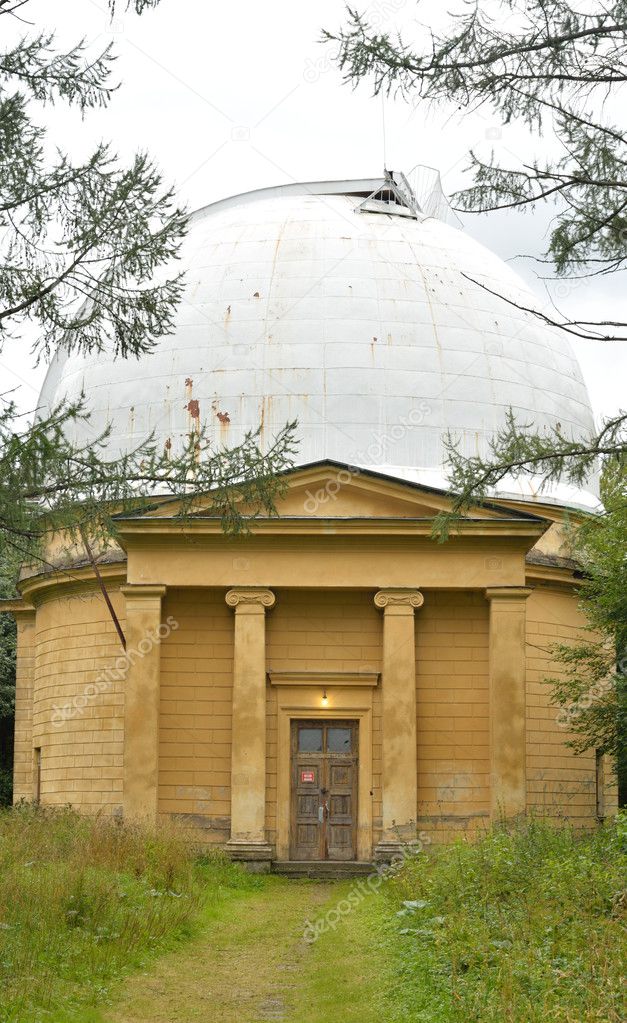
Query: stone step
(330,870)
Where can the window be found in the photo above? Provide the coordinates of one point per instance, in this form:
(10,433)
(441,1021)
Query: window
(600,784)
(310,740)
(37,774)
(338,740)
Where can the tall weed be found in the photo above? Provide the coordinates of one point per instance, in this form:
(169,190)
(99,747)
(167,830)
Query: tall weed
(522,926)
(85,899)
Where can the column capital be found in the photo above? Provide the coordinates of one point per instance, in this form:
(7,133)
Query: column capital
(508,592)
(139,591)
(20,609)
(250,598)
(400,601)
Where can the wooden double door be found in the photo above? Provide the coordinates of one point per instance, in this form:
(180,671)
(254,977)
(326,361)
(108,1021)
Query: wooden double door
(323,819)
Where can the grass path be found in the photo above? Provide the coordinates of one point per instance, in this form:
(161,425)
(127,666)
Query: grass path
(252,964)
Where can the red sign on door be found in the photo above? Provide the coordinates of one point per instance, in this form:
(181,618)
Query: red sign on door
(307,776)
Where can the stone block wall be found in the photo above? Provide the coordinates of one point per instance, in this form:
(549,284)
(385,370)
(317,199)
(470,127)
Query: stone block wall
(195,710)
(78,702)
(452,713)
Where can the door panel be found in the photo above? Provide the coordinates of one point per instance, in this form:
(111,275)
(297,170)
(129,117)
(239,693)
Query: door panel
(308,839)
(307,781)
(341,800)
(324,790)
(339,806)
(307,806)
(340,843)
(340,774)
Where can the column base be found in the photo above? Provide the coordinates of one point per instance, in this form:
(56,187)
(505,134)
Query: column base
(255,856)
(390,852)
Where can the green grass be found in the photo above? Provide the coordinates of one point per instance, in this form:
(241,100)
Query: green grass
(348,972)
(248,964)
(84,901)
(520,927)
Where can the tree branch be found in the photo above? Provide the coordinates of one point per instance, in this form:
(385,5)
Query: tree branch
(567,326)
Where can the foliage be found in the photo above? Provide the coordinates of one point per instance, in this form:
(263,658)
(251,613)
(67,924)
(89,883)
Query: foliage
(592,691)
(561,72)
(83,900)
(6,784)
(8,641)
(515,450)
(79,242)
(551,66)
(49,483)
(86,248)
(524,926)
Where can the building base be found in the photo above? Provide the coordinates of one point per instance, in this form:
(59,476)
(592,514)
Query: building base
(391,852)
(255,856)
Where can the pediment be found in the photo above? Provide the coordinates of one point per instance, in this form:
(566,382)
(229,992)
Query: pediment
(330,490)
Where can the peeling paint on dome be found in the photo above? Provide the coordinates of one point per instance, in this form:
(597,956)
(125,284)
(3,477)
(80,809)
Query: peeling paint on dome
(349,325)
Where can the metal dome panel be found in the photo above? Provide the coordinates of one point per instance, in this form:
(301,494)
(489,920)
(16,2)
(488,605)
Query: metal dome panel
(362,325)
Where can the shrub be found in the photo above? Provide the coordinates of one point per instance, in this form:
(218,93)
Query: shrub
(523,926)
(84,899)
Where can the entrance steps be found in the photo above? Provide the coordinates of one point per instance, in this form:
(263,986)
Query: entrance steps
(327,870)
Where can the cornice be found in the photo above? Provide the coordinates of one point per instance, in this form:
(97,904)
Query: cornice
(327,679)
(143,591)
(553,575)
(16,607)
(508,592)
(142,531)
(67,582)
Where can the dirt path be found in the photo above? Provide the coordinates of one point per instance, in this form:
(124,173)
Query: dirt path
(253,965)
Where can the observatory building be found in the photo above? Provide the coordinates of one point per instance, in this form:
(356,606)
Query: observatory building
(336,682)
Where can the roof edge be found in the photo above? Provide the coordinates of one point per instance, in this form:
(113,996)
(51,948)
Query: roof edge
(358,187)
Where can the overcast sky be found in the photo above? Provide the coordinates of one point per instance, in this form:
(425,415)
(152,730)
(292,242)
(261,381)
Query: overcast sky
(236,96)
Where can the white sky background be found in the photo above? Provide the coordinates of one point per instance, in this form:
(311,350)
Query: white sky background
(236,96)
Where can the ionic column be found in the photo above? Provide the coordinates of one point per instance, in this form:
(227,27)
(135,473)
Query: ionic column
(400,783)
(507,701)
(248,740)
(141,701)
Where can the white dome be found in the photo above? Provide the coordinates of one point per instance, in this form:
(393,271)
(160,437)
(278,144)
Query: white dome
(361,325)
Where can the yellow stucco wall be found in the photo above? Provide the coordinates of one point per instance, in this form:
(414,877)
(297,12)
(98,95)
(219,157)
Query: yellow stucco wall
(24,677)
(77,708)
(195,711)
(452,712)
(559,782)
(78,701)
(70,699)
